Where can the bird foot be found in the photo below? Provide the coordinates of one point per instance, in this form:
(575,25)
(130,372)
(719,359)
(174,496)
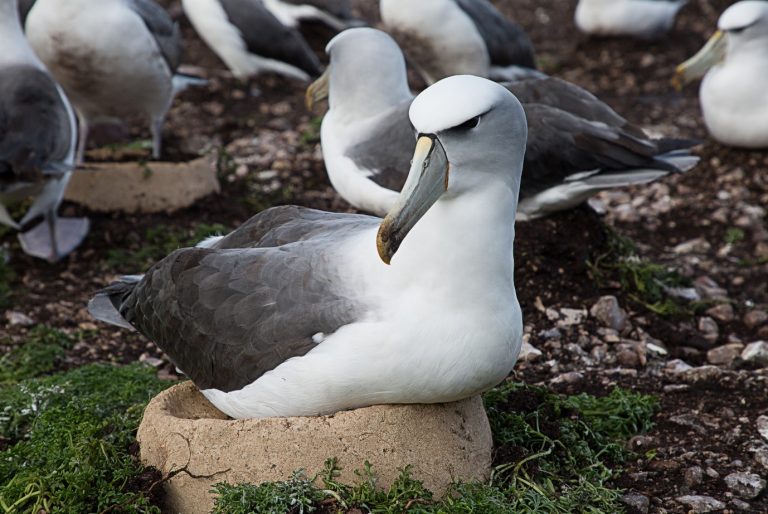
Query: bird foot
(70,232)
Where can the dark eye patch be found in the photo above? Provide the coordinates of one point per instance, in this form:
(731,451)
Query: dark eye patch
(469,124)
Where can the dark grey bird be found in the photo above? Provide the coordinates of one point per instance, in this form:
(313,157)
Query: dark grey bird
(37,145)
(302,312)
(250,40)
(577,145)
(115,59)
(456,37)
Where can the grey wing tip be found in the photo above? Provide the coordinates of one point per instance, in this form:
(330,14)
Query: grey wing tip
(104,305)
(102,308)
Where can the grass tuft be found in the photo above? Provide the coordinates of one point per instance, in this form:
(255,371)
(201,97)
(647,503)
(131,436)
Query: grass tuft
(41,353)
(65,441)
(644,281)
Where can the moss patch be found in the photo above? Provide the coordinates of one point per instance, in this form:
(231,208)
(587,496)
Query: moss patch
(66,440)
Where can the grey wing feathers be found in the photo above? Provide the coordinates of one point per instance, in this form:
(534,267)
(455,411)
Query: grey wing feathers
(386,152)
(35,129)
(227,316)
(163,29)
(561,145)
(267,37)
(507,42)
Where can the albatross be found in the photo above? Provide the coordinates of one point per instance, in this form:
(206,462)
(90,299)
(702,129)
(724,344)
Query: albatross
(114,58)
(734,63)
(302,312)
(454,37)
(577,145)
(645,19)
(250,40)
(38,137)
(334,13)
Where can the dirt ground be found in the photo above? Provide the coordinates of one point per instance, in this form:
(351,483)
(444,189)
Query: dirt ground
(709,225)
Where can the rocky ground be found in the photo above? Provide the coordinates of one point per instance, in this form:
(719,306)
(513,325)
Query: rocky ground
(683,314)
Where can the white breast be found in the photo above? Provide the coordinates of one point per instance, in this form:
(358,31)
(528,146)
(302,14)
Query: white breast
(637,18)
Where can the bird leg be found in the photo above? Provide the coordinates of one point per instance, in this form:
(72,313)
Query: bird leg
(156,127)
(82,139)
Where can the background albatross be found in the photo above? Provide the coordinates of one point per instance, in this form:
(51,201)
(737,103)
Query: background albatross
(37,144)
(294,313)
(577,145)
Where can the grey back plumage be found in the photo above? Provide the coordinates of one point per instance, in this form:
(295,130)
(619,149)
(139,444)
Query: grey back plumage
(265,36)
(507,43)
(163,29)
(393,130)
(35,130)
(227,314)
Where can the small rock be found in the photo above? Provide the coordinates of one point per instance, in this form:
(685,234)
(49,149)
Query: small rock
(722,312)
(151,361)
(745,485)
(698,245)
(712,473)
(572,377)
(608,312)
(642,442)
(740,504)
(754,319)
(709,329)
(761,457)
(19,319)
(756,353)
(701,374)
(708,288)
(529,353)
(693,476)
(676,366)
(724,355)
(762,426)
(637,503)
(551,334)
(701,504)
(570,317)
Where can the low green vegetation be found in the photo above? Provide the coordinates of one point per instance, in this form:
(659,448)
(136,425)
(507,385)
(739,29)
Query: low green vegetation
(311,135)
(644,281)
(65,439)
(42,351)
(158,242)
(555,454)
(6,277)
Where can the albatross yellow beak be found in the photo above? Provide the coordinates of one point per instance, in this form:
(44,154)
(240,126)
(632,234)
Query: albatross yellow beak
(427,181)
(318,90)
(697,66)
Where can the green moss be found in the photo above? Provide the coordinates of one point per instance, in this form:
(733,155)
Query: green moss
(311,135)
(554,455)
(41,352)
(67,440)
(644,281)
(7,275)
(158,242)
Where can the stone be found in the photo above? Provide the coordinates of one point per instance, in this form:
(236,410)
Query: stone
(608,312)
(571,377)
(754,319)
(142,187)
(745,485)
(722,312)
(701,374)
(724,355)
(709,289)
(637,503)
(756,353)
(528,353)
(740,504)
(693,476)
(762,426)
(18,319)
(676,366)
(698,245)
(761,457)
(709,329)
(195,446)
(700,504)
(569,317)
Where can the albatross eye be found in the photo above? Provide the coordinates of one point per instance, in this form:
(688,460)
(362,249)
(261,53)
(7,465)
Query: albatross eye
(469,124)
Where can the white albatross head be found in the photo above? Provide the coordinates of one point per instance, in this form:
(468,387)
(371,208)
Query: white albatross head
(472,135)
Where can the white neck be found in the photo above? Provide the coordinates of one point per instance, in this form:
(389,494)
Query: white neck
(750,52)
(463,243)
(16,50)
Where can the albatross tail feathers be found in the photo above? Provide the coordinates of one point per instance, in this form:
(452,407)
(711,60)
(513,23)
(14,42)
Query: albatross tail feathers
(104,305)
(181,82)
